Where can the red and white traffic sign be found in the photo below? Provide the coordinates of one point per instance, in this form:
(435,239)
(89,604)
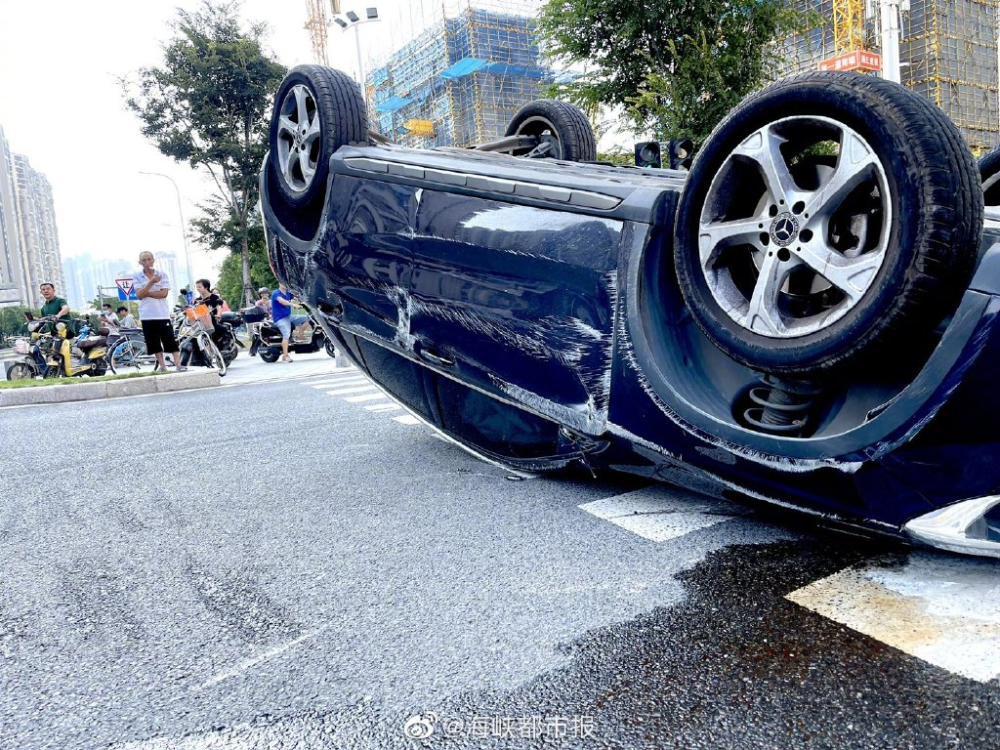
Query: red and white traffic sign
(126,289)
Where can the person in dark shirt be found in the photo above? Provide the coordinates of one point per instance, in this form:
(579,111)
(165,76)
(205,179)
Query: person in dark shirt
(55,306)
(222,334)
(208,297)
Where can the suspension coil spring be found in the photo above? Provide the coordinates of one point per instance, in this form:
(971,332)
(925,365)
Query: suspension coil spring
(781,407)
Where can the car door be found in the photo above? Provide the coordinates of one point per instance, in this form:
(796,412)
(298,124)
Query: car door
(364,263)
(516,300)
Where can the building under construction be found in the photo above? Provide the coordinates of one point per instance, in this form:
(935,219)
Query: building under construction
(461,81)
(947,52)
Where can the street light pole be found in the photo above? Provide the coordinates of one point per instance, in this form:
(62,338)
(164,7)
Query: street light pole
(357,48)
(349,19)
(180,212)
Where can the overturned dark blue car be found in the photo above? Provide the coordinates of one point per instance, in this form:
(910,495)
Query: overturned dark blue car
(807,318)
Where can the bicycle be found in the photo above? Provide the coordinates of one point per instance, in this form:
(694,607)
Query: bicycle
(128,350)
(194,333)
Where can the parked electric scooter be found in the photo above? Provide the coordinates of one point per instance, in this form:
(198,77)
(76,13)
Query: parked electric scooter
(39,352)
(85,354)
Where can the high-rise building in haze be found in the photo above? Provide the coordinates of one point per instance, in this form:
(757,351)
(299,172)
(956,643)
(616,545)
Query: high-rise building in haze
(10,243)
(85,276)
(39,238)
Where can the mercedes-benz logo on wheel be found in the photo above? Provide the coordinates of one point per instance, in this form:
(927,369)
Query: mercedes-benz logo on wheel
(784,229)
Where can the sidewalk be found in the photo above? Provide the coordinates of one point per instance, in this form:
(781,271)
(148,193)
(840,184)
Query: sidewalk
(96,388)
(245,370)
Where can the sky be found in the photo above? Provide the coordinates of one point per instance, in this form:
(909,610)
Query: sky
(61,105)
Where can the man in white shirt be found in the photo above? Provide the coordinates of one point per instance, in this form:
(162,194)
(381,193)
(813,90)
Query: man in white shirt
(152,287)
(108,319)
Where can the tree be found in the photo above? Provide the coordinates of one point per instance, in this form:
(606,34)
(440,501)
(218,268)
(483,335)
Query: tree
(231,278)
(677,66)
(207,106)
(13,322)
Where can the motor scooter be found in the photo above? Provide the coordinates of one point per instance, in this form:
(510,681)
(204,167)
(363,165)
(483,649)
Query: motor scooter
(53,351)
(266,338)
(86,354)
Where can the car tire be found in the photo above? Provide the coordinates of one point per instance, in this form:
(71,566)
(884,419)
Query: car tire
(895,227)
(316,111)
(565,131)
(269,354)
(989,174)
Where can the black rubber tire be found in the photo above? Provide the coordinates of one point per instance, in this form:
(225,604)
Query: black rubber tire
(566,122)
(269,353)
(933,241)
(331,350)
(989,168)
(211,355)
(135,349)
(20,371)
(343,120)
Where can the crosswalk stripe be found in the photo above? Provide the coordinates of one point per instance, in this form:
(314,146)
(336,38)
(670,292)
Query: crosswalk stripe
(942,610)
(364,397)
(407,419)
(352,389)
(383,407)
(659,513)
(334,376)
(343,381)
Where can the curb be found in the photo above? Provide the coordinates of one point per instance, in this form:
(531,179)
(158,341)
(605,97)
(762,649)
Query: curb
(55,394)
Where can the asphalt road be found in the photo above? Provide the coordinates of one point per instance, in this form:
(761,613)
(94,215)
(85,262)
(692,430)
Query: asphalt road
(276,566)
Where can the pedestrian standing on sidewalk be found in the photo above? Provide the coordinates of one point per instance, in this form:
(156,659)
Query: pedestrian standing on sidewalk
(152,287)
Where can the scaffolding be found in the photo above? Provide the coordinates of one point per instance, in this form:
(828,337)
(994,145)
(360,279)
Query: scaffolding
(461,80)
(948,53)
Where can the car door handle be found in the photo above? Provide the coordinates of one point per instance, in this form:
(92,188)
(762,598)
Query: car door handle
(429,355)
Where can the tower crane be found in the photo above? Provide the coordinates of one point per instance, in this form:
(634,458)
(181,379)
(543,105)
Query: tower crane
(849,38)
(316,25)
(848,26)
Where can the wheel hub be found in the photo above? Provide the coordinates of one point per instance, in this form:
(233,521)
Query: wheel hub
(784,229)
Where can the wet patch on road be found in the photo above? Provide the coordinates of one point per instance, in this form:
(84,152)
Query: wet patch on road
(737,665)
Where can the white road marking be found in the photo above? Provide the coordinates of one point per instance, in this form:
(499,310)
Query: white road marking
(365,397)
(352,389)
(943,610)
(347,378)
(343,381)
(407,419)
(383,407)
(659,514)
(243,666)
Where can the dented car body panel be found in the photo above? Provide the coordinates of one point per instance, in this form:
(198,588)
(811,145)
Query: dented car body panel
(529,311)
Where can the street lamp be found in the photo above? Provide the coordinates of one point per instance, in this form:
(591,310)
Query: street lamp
(180,211)
(352,19)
